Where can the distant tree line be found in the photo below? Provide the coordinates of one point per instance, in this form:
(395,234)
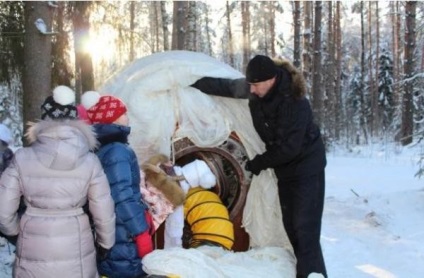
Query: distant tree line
(363,63)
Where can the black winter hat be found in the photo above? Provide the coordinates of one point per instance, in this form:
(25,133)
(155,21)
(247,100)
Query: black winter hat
(260,68)
(60,105)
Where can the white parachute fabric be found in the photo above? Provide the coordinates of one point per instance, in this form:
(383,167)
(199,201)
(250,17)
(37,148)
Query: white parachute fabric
(164,108)
(215,262)
(200,120)
(262,211)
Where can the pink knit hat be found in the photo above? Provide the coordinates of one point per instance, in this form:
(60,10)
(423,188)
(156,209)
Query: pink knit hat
(82,114)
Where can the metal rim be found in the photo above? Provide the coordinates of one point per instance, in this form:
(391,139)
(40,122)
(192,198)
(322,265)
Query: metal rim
(227,162)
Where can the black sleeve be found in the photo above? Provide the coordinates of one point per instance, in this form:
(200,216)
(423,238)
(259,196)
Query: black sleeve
(293,122)
(222,87)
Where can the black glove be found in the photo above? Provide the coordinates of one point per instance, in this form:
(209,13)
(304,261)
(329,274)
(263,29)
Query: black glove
(11,239)
(102,253)
(253,166)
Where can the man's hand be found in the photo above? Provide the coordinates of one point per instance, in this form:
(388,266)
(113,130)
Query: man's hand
(253,166)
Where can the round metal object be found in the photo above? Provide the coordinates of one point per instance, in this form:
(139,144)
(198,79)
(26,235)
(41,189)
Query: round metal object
(227,163)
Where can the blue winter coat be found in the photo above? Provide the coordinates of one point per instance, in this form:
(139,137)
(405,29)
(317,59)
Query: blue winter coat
(120,164)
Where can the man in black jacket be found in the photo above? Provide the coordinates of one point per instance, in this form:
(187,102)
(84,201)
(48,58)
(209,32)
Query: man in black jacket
(282,117)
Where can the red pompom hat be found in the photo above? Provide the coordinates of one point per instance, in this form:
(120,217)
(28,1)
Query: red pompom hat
(102,109)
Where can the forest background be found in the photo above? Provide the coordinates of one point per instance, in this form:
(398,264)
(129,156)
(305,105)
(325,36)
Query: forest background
(363,60)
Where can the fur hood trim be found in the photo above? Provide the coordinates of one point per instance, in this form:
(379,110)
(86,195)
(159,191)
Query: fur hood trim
(298,81)
(165,183)
(34,130)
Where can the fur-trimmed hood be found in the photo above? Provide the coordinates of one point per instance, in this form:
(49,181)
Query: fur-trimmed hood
(298,86)
(165,183)
(61,144)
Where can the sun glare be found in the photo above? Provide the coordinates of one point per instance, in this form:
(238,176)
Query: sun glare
(101,45)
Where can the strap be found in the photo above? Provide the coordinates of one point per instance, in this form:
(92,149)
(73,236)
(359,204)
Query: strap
(31,211)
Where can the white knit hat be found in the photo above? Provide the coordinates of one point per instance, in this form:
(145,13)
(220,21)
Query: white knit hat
(64,95)
(5,134)
(89,99)
(197,173)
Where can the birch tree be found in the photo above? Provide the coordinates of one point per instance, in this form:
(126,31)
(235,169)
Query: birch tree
(165,23)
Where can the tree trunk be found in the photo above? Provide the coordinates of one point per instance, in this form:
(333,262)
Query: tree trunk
(407,100)
(307,46)
(329,74)
(396,53)
(179,24)
(61,70)
(191,38)
(271,21)
(296,46)
(317,92)
(362,117)
(370,69)
(230,34)
(376,113)
(338,60)
(373,66)
(154,17)
(84,76)
(208,34)
(38,63)
(132,30)
(245,22)
(157,27)
(165,30)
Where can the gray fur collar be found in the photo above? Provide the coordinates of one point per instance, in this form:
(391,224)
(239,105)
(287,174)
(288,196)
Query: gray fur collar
(34,129)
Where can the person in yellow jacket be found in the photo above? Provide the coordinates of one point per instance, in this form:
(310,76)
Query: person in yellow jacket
(204,211)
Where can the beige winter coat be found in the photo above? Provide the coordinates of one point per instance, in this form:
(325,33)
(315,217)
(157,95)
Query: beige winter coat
(57,174)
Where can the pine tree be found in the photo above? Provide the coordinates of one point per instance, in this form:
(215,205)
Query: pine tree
(385,89)
(354,105)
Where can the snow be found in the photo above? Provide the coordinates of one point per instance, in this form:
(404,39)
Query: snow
(373,224)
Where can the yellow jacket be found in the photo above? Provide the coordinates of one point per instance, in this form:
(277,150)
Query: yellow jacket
(208,218)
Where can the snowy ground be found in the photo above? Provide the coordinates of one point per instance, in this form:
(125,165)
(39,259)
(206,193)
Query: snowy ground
(373,223)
